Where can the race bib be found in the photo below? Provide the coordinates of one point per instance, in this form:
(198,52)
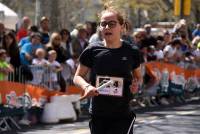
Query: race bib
(114,89)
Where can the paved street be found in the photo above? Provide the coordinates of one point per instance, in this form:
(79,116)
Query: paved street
(179,119)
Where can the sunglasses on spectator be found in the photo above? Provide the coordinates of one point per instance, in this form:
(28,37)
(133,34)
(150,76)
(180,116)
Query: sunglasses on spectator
(111,24)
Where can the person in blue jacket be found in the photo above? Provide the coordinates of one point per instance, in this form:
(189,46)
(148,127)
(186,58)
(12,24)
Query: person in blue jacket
(27,52)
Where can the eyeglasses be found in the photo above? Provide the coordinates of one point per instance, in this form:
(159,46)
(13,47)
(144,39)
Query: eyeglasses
(111,24)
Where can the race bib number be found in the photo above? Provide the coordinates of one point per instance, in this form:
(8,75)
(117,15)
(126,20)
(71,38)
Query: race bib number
(114,89)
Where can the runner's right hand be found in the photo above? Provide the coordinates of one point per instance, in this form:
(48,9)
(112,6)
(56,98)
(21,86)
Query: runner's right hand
(90,91)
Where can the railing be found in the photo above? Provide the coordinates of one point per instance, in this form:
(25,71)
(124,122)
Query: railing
(42,76)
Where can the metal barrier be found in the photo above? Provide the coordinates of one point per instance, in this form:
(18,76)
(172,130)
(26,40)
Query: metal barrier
(42,76)
(45,76)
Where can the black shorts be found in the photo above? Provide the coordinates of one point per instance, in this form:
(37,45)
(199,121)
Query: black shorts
(105,125)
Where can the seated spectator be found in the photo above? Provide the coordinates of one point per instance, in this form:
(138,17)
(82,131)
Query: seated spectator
(5,67)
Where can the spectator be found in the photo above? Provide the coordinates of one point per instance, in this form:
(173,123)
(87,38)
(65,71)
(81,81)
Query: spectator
(44,30)
(96,37)
(159,52)
(195,41)
(55,68)
(126,36)
(181,28)
(147,28)
(172,51)
(55,44)
(5,67)
(149,39)
(23,30)
(196,53)
(12,50)
(40,57)
(167,37)
(137,38)
(79,42)
(185,44)
(196,32)
(73,62)
(27,52)
(26,39)
(61,57)
(89,29)
(38,69)
(151,53)
(66,42)
(2,31)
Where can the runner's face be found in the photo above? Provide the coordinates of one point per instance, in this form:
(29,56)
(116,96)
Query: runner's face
(110,27)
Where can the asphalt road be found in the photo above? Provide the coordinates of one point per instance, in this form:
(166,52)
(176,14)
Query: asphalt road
(176,119)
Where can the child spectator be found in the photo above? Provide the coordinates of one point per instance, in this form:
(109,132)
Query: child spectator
(55,68)
(40,57)
(5,67)
(38,68)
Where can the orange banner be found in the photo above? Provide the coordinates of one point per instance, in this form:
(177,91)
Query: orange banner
(15,94)
(171,68)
